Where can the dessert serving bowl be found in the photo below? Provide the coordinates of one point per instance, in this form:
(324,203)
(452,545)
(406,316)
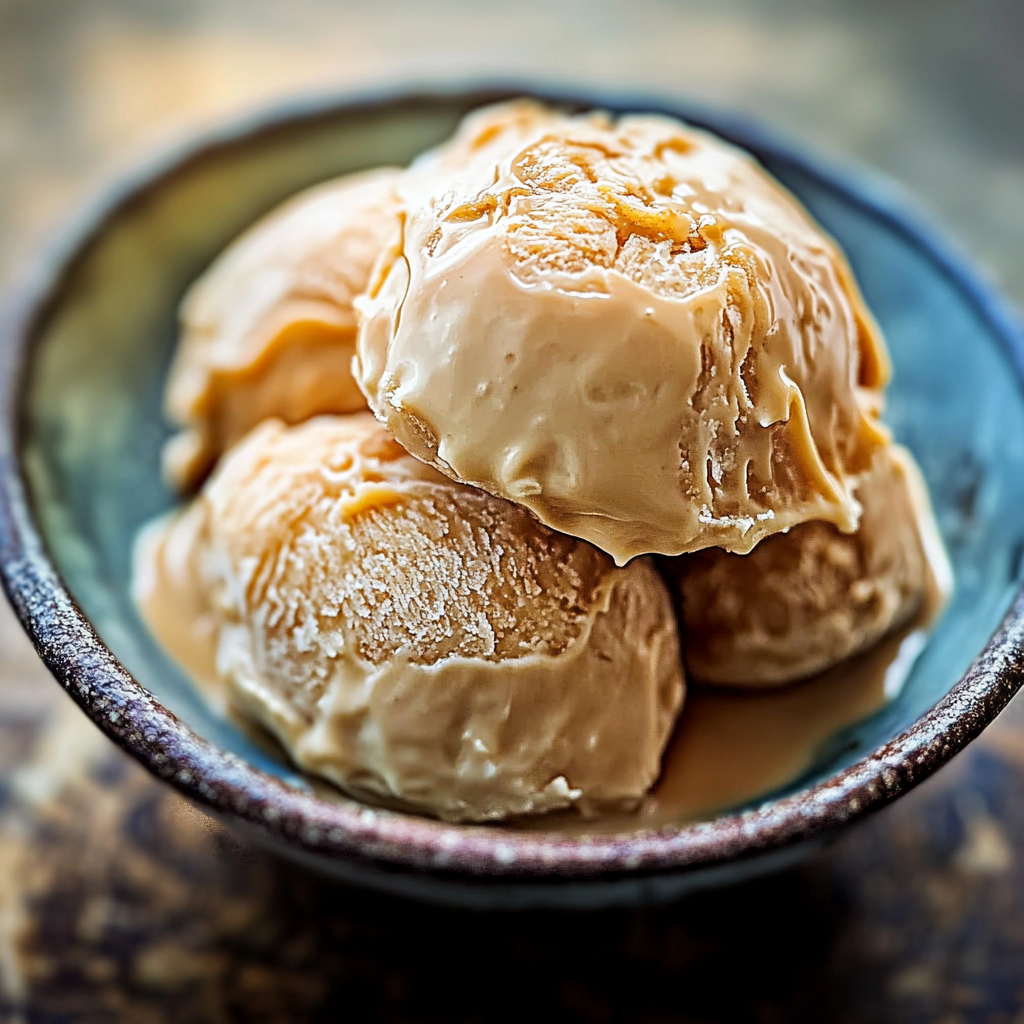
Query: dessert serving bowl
(86,339)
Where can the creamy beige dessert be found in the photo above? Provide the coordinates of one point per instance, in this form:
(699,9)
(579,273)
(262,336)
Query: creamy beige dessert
(627,327)
(588,341)
(269,329)
(803,601)
(411,638)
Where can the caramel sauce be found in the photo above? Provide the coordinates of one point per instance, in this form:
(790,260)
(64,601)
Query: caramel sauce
(732,746)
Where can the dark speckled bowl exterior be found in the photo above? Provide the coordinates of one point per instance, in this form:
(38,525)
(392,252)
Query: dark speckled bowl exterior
(470,865)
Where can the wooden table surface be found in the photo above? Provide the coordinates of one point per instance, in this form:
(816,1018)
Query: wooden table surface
(120,903)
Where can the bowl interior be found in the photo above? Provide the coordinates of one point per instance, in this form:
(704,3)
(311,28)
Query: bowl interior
(93,426)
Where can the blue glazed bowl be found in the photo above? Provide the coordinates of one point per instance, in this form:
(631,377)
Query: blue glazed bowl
(85,343)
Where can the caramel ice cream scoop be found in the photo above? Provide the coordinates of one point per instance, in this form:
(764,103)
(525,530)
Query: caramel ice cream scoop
(627,327)
(269,329)
(414,639)
(803,601)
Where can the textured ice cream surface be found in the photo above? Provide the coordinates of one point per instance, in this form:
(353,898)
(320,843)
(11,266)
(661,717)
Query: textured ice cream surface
(269,329)
(414,639)
(628,327)
(803,601)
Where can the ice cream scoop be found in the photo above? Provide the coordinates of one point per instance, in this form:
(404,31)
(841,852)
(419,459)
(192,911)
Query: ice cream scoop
(411,638)
(626,326)
(801,602)
(269,329)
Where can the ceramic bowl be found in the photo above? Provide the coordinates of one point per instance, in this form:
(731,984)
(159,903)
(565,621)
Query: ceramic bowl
(86,340)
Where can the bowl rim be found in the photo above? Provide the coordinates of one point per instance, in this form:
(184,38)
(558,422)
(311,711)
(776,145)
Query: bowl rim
(231,788)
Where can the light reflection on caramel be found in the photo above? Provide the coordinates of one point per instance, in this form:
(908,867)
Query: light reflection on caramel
(732,746)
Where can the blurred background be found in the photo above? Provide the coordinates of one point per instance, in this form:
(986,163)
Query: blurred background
(119,903)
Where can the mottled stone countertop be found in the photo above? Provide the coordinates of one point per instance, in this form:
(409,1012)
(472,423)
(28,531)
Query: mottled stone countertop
(118,902)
